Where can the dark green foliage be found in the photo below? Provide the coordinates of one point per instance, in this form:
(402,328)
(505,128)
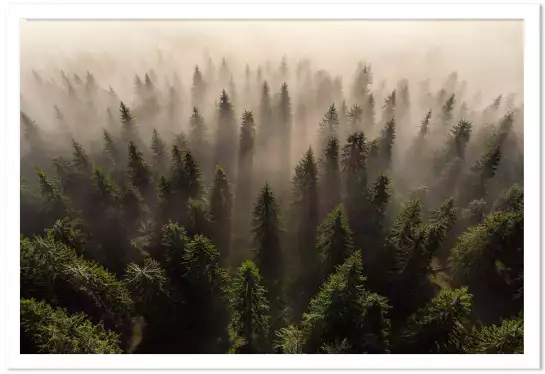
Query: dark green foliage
(330,177)
(226,139)
(128,126)
(396,237)
(489,259)
(329,125)
(266,228)
(510,199)
(159,152)
(334,240)
(221,203)
(344,309)
(250,307)
(441,326)
(505,338)
(48,330)
(138,171)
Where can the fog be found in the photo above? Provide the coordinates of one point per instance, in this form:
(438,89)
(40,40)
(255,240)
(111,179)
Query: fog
(343,158)
(483,58)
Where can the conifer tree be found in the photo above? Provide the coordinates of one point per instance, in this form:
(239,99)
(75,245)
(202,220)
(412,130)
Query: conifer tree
(389,107)
(345,310)
(250,308)
(221,202)
(205,289)
(369,113)
(328,126)
(198,139)
(354,171)
(245,167)
(364,78)
(138,172)
(225,153)
(265,116)
(266,228)
(48,330)
(440,326)
(158,148)
(198,89)
(355,119)
(330,177)
(304,215)
(283,135)
(128,126)
(334,240)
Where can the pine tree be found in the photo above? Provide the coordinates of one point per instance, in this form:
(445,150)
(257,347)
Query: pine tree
(266,228)
(364,78)
(369,113)
(158,148)
(389,107)
(440,326)
(205,289)
(250,308)
(283,135)
(354,172)
(128,126)
(504,338)
(446,110)
(138,172)
(330,177)
(265,116)
(48,330)
(198,139)
(245,167)
(334,240)
(304,215)
(225,153)
(355,118)
(221,202)
(198,90)
(80,160)
(111,148)
(328,126)
(345,310)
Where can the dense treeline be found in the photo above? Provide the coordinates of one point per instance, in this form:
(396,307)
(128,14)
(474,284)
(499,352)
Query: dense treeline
(281,212)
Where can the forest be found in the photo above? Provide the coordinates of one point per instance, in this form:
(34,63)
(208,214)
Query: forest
(273,208)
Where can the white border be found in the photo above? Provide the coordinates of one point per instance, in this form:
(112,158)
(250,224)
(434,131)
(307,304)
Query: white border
(527,12)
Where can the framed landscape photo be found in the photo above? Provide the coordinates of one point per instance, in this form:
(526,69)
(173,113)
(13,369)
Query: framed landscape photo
(273,186)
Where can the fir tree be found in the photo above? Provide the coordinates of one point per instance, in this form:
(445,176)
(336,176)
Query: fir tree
(250,309)
(225,153)
(221,202)
(330,177)
(266,228)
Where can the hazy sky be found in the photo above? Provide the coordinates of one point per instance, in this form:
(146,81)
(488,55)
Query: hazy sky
(488,54)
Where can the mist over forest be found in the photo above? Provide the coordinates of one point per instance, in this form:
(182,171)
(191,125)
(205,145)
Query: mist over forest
(272,187)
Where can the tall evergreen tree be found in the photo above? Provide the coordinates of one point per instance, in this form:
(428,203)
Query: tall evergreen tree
(225,153)
(330,183)
(250,309)
(221,202)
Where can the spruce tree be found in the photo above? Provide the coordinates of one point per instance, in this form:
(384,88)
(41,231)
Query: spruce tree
(328,126)
(334,241)
(221,202)
(440,326)
(225,152)
(266,228)
(138,172)
(245,168)
(250,308)
(330,182)
(158,148)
